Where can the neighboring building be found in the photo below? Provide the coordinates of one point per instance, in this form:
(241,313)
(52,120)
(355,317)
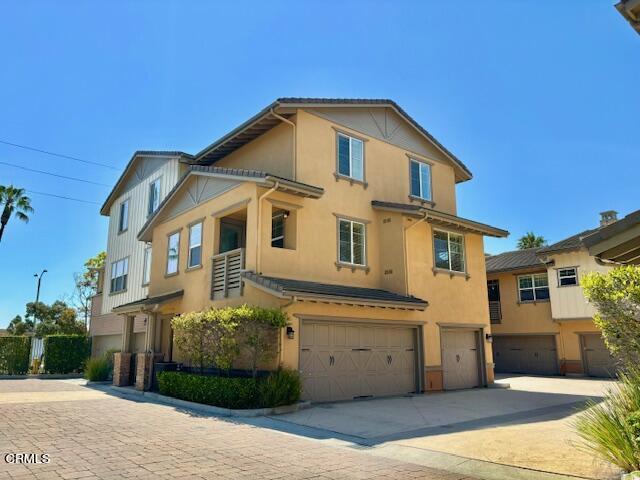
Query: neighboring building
(343,213)
(618,243)
(630,9)
(541,320)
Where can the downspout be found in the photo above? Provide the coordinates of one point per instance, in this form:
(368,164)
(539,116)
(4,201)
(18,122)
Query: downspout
(406,251)
(293,125)
(259,229)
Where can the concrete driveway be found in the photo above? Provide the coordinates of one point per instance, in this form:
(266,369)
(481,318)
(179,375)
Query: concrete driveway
(528,426)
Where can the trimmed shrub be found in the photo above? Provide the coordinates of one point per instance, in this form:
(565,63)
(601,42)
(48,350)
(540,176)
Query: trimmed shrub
(280,388)
(98,369)
(66,353)
(14,355)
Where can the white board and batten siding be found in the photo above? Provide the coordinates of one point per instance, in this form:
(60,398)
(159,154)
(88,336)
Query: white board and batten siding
(126,244)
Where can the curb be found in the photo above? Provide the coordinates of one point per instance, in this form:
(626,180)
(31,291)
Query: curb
(210,409)
(43,376)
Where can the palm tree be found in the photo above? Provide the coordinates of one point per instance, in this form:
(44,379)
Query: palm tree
(15,203)
(531,240)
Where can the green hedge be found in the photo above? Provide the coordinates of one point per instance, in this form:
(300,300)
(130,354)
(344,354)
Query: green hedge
(280,388)
(66,353)
(14,355)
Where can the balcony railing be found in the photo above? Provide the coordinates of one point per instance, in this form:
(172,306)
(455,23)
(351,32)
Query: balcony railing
(495,312)
(225,274)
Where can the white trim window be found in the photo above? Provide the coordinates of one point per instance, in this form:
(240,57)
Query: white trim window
(448,249)
(567,277)
(154,196)
(119,274)
(351,242)
(277,230)
(146,268)
(420,176)
(195,245)
(123,217)
(350,157)
(533,287)
(173,253)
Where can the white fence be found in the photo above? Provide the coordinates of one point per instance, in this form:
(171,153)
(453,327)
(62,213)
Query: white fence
(37,349)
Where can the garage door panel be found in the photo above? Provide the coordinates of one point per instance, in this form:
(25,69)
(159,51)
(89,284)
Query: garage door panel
(528,354)
(460,366)
(598,361)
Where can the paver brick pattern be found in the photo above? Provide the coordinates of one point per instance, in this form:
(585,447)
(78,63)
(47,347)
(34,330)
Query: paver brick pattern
(112,438)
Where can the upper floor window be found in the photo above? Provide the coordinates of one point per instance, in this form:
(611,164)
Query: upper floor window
(277,229)
(533,287)
(350,157)
(146,267)
(567,277)
(351,242)
(123,218)
(173,253)
(449,251)
(195,245)
(420,174)
(119,274)
(154,196)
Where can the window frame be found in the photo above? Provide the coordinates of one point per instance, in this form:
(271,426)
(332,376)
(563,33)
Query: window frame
(429,166)
(158,181)
(279,237)
(350,177)
(191,247)
(464,252)
(575,275)
(351,264)
(146,265)
(167,273)
(125,276)
(121,228)
(533,287)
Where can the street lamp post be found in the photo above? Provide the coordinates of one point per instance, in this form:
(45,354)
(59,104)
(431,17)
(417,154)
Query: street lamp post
(39,277)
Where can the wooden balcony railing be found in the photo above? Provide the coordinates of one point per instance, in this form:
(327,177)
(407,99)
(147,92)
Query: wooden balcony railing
(495,312)
(225,276)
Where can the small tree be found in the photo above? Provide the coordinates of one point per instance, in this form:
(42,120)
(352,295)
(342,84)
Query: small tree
(616,296)
(57,318)
(258,333)
(18,326)
(530,240)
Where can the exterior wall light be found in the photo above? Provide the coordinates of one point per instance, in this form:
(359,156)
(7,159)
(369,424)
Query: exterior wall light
(290,333)
(489,337)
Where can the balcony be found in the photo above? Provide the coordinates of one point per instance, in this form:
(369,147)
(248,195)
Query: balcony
(495,312)
(225,276)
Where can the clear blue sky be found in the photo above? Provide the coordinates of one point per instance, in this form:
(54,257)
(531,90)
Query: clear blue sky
(538,98)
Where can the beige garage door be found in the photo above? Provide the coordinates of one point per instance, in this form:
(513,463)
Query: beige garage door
(460,359)
(343,361)
(598,362)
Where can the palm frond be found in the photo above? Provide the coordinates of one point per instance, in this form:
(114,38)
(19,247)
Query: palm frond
(22,216)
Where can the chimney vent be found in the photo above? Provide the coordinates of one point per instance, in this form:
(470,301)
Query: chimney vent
(608,217)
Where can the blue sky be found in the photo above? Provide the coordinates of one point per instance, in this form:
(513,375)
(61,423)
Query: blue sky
(536,97)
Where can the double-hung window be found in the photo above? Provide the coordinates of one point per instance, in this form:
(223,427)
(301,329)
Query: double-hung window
(350,157)
(351,242)
(449,251)
(173,253)
(146,267)
(567,277)
(277,230)
(154,196)
(123,219)
(119,274)
(533,287)
(420,174)
(195,245)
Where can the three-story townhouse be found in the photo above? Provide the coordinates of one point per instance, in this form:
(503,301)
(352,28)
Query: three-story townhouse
(343,214)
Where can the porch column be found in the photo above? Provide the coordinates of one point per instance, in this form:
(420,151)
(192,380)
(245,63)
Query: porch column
(146,359)
(122,359)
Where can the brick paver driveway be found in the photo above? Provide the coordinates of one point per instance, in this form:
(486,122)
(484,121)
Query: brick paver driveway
(90,434)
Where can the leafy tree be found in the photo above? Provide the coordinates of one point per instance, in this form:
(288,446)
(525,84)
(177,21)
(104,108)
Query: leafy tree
(86,285)
(531,240)
(13,202)
(57,318)
(18,326)
(616,296)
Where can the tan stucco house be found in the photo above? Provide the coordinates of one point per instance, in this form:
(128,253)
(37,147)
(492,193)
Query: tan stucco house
(541,320)
(342,213)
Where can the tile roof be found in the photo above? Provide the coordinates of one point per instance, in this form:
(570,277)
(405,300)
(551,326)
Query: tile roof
(514,260)
(286,286)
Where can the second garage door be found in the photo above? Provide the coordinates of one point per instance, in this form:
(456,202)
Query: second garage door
(598,362)
(343,361)
(460,359)
(532,354)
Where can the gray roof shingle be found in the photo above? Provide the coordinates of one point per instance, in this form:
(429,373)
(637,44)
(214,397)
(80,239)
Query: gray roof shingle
(514,260)
(288,286)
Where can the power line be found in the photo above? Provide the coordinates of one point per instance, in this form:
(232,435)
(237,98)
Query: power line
(69,157)
(63,197)
(75,179)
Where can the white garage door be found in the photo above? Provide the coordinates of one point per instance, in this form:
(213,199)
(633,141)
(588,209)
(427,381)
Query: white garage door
(460,365)
(342,361)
